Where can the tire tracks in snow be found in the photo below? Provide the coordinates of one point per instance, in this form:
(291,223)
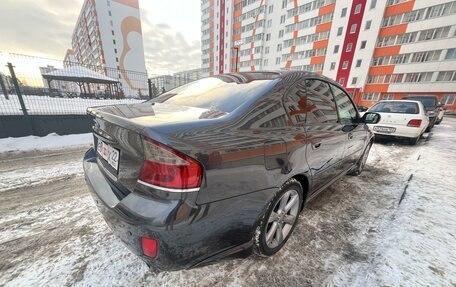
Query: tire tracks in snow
(37,168)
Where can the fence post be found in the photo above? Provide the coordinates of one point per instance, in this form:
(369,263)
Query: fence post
(3,86)
(149,84)
(21,100)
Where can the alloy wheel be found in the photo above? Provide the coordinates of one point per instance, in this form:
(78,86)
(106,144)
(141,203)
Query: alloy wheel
(282,218)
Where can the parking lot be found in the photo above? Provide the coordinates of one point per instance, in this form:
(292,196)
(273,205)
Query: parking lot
(393,225)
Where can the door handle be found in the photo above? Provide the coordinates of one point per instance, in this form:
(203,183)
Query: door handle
(316,145)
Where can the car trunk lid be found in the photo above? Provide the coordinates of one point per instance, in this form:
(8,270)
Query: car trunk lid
(119,136)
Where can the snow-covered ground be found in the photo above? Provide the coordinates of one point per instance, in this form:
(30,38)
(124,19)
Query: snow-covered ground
(50,141)
(356,233)
(44,105)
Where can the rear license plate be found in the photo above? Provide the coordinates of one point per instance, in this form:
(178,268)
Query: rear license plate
(384,129)
(109,154)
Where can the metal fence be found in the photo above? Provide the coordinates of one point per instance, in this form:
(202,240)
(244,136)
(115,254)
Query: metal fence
(39,86)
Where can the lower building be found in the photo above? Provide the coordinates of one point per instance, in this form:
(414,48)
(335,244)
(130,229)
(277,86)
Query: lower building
(163,83)
(185,77)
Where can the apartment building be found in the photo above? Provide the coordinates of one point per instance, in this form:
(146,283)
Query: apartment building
(185,77)
(376,49)
(163,82)
(107,36)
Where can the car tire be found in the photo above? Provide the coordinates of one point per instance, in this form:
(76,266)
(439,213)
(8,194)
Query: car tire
(358,169)
(414,141)
(280,219)
(438,122)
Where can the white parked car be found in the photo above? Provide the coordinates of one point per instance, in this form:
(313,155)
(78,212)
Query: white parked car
(400,119)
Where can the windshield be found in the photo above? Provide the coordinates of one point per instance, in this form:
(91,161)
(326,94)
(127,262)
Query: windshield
(427,102)
(216,93)
(396,107)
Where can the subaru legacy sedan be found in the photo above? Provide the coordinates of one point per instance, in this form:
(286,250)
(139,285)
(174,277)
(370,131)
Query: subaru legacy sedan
(222,165)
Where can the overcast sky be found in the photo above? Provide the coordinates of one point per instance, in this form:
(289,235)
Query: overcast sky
(171,30)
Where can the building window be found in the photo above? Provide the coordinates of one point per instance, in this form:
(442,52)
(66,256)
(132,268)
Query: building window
(343,13)
(269,23)
(451,54)
(109,12)
(368,25)
(271,9)
(446,76)
(449,99)
(268,37)
(353,28)
(388,97)
(344,65)
(333,66)
(354,80)
(340,30)
(336,49)
(112,31)
(115,51)
(358,63)
(265,62)
(280,33)
(363,44)
(358,9)
(349,47)
(277,61)
(373,4)
(117,60)
(282,19)
(266,50)
(373,97)
(342,81)
(114,42)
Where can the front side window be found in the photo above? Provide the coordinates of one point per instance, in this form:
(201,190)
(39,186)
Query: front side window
(347,111)
(320,105)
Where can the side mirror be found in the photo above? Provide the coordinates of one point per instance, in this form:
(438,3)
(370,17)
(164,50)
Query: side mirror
(371,118)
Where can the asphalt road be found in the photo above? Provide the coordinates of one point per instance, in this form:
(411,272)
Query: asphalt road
(52,234)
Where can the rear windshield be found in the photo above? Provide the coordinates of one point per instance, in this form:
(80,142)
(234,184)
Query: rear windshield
(396,107)
(427,102)
(215,93)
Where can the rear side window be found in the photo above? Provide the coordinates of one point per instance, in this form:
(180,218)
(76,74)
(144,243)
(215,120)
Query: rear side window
(320,104)
(216,93)
(396,108)
(295,103)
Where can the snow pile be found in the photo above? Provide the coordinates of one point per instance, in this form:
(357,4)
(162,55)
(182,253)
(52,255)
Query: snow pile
(47,142)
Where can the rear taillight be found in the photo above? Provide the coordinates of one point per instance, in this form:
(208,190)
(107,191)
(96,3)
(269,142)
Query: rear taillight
(170,170)
(414,123)
(149,247)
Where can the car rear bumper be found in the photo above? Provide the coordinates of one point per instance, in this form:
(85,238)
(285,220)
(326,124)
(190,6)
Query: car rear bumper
(188,235)
(401,131)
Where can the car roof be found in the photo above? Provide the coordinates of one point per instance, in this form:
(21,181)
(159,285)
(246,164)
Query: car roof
(420,96)
(400,101)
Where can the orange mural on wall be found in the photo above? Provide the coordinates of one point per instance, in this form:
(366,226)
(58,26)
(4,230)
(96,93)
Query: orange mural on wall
(129,24)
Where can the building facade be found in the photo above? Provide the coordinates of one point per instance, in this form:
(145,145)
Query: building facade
(161,82)
(185,77)
(108,38)
(376,49)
